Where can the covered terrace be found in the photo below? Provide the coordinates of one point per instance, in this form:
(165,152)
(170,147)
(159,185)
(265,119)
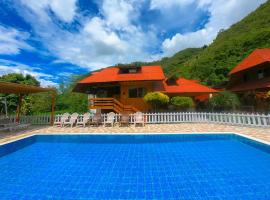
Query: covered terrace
(21,90)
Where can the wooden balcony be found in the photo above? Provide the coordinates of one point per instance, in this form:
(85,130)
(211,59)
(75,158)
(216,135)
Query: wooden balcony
(111,104)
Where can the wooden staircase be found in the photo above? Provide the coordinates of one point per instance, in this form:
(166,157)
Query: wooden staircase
(111,104)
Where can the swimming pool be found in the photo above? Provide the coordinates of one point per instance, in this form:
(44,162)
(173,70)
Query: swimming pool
(182,166)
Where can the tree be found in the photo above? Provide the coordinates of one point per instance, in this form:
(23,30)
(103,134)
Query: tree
(41,103)
(12,99)
(156,99)
(182,102)
(225,101)
(20,78)
(68,101)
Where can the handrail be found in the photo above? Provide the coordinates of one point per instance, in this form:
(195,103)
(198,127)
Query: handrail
(112,103)
(126,106)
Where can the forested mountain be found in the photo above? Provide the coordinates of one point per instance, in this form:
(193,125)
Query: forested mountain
(211,64)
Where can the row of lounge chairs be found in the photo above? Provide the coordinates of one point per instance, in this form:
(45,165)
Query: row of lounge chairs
(7,124)
(75,120)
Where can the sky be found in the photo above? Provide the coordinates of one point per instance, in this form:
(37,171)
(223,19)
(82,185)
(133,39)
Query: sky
(55,39)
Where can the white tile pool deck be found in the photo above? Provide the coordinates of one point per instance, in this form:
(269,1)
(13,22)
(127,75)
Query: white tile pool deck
(262,134)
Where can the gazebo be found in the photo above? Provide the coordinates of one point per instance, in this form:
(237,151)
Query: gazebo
(21,89)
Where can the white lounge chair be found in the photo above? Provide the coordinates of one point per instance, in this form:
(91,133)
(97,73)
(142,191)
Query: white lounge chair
(16,126)
(59,121)
(84,120)
(4,122)
(96,120)
(110,119)
(72,120)
(138,118)
(7,124)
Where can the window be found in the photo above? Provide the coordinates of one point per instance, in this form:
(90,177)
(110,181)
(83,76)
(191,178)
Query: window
(260,74)
(136,92)
(130,70)
(171,81)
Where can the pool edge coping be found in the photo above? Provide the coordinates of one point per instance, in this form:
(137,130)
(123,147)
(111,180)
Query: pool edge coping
(138,133)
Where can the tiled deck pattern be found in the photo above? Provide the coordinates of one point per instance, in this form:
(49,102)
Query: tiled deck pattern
(259,133)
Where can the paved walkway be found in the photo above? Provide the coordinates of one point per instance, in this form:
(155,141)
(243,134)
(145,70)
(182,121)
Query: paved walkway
(259,133)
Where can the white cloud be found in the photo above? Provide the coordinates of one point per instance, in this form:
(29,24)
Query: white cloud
(101,41)
(47,83)
(223,13)
(163,4)
(64,9)
(97,30)
(7,67)
(12,40)
(116,35)
(117,13)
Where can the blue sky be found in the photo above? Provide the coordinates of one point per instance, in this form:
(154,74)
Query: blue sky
(54,39)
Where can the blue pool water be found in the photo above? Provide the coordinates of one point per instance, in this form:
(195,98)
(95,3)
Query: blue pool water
(135,167)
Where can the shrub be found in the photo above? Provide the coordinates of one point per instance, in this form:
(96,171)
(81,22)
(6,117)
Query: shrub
(182,102)
(156,99)
(225,101)
(268,95)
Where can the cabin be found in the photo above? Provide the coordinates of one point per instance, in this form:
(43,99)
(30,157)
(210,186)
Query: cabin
(251,78)
(122,88)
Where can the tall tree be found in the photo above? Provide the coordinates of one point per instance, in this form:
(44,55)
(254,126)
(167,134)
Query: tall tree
(12,99)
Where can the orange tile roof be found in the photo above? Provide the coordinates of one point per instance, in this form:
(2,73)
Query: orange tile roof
(147,73)
(255,58)
(112,74)
(187,86)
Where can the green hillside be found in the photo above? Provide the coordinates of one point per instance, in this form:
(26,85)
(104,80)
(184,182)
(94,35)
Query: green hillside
(171,65)
(212,64)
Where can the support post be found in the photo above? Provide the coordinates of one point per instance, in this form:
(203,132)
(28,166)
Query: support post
(53,106)
(18,111)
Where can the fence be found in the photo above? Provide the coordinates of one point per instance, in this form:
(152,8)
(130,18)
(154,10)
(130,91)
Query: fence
(259,120)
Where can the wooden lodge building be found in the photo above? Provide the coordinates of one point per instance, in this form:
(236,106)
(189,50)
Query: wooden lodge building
(251,79)
(121,89)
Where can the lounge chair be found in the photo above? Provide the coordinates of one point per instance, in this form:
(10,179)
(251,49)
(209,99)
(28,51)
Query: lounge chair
(72,120)
(59,121)
(16,126)
(84,120)
(97,119)
(110,119)
(4,122)
(138,118)
(124,119)
(7,124)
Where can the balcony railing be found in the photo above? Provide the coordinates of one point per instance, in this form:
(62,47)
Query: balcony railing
(112,104)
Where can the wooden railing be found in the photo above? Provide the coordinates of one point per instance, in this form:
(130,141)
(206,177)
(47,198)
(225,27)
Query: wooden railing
(112,104)
(240,119)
